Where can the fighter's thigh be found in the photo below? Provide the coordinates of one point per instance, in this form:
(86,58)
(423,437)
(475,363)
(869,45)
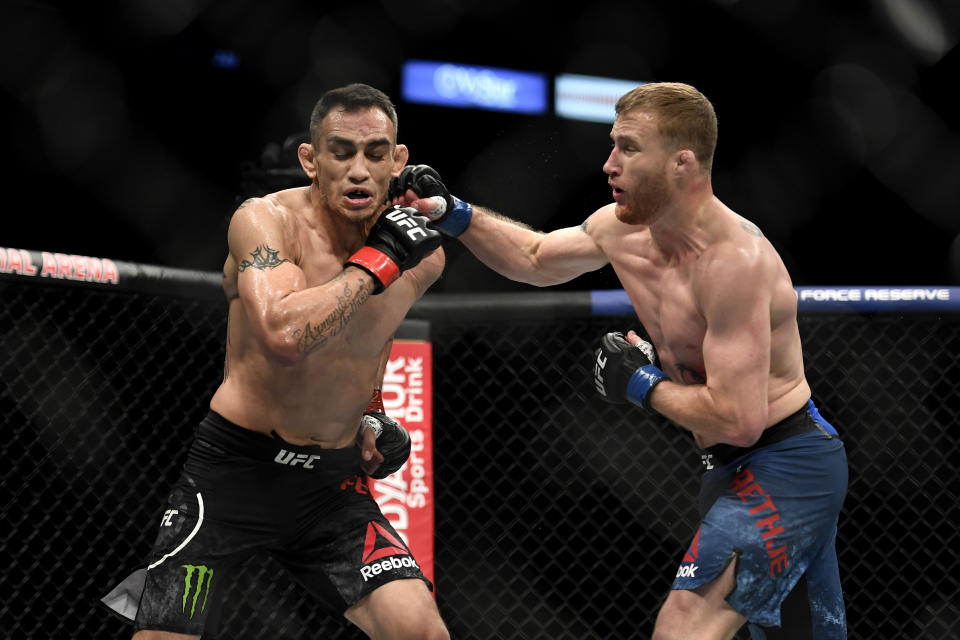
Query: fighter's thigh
(703,610)
(350,551)
(192,562)
(399,609)
(161,635)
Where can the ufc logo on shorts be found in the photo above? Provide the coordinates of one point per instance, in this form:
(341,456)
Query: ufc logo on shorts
(167,520)
(292,459)
(400,217)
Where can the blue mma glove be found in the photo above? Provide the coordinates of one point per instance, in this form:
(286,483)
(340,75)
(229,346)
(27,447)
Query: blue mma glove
(452,215)
(623,372)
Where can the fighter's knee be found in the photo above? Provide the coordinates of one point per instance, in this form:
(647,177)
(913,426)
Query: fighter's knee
(430,629)
(677,616)
(702,613)
(147,634)
(436,631)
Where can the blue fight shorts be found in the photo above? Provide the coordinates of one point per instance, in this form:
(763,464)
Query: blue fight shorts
(772,509)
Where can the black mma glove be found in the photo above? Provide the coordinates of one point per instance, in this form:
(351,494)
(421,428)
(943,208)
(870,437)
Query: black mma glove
(452,215)
(398,240)
(393,442)
(623,372)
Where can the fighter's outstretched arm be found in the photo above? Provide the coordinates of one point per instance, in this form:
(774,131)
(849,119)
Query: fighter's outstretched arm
(507,246)
(520,253)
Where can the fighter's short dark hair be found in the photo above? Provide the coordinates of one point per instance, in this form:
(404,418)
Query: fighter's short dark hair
(352,97)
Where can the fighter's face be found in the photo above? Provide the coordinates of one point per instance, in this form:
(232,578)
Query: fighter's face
(355,157)
(637,168)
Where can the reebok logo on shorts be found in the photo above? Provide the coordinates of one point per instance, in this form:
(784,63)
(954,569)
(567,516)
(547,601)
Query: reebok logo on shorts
(380,543)
(687,568)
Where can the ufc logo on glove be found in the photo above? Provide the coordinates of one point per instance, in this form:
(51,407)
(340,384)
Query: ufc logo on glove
(598,373)
(400,217)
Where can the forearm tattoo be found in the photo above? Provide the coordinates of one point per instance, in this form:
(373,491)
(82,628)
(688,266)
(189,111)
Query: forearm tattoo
(264,257)
(349,301)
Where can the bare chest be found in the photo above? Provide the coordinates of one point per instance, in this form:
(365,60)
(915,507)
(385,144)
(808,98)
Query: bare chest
(664,300)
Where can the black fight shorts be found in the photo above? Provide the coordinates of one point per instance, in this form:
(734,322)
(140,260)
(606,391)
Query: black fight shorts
(241,493)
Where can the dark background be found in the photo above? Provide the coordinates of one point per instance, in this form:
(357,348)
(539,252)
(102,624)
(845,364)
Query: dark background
(838,121)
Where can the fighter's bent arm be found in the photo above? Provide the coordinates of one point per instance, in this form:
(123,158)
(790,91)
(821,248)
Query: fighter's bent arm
(290,319)
(522,254)
(732,406)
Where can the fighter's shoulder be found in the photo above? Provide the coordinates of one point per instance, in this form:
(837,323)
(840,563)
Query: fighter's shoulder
(738,259)
(600,220)
(269,205)
(269,211)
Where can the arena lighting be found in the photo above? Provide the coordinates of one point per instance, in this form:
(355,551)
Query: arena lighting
(225,59)
(589,98)
(467,86)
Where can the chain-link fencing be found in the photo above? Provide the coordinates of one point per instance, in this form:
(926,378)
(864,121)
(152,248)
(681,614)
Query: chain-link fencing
(557,515)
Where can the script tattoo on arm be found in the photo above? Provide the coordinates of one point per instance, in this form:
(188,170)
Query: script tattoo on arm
(349,301)
(264,257)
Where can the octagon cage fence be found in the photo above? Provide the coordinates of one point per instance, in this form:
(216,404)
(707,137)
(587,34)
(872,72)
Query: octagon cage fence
(556,515)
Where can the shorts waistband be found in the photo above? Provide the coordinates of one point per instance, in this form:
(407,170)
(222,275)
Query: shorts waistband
(215,430)
(792,425)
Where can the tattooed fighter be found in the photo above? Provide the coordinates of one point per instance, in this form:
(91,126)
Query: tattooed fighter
(318,280)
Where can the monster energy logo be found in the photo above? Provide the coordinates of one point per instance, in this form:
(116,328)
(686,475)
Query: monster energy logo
(202,572)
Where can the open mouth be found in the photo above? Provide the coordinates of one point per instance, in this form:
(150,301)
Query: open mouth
(358,196)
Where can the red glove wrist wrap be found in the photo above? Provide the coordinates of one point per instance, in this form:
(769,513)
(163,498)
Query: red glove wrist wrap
(378,264)
(376,402)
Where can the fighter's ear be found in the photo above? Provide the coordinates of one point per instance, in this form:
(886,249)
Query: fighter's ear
(685,161)
(400,156)
(686,157)
(307,159)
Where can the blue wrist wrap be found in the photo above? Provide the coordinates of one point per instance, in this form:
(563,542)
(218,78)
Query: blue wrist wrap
(458,220)
(641,382)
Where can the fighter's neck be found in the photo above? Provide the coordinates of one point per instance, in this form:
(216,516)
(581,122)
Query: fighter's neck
(687,227)
(323,219)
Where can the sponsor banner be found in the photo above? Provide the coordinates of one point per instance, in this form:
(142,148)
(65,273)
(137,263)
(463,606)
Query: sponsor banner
(589,98)
(406,497)
(61,266)
(845,299)
(873,299)
(460,85)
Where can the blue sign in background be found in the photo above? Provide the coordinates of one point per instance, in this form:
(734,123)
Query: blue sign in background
(458,85)
(853,299)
